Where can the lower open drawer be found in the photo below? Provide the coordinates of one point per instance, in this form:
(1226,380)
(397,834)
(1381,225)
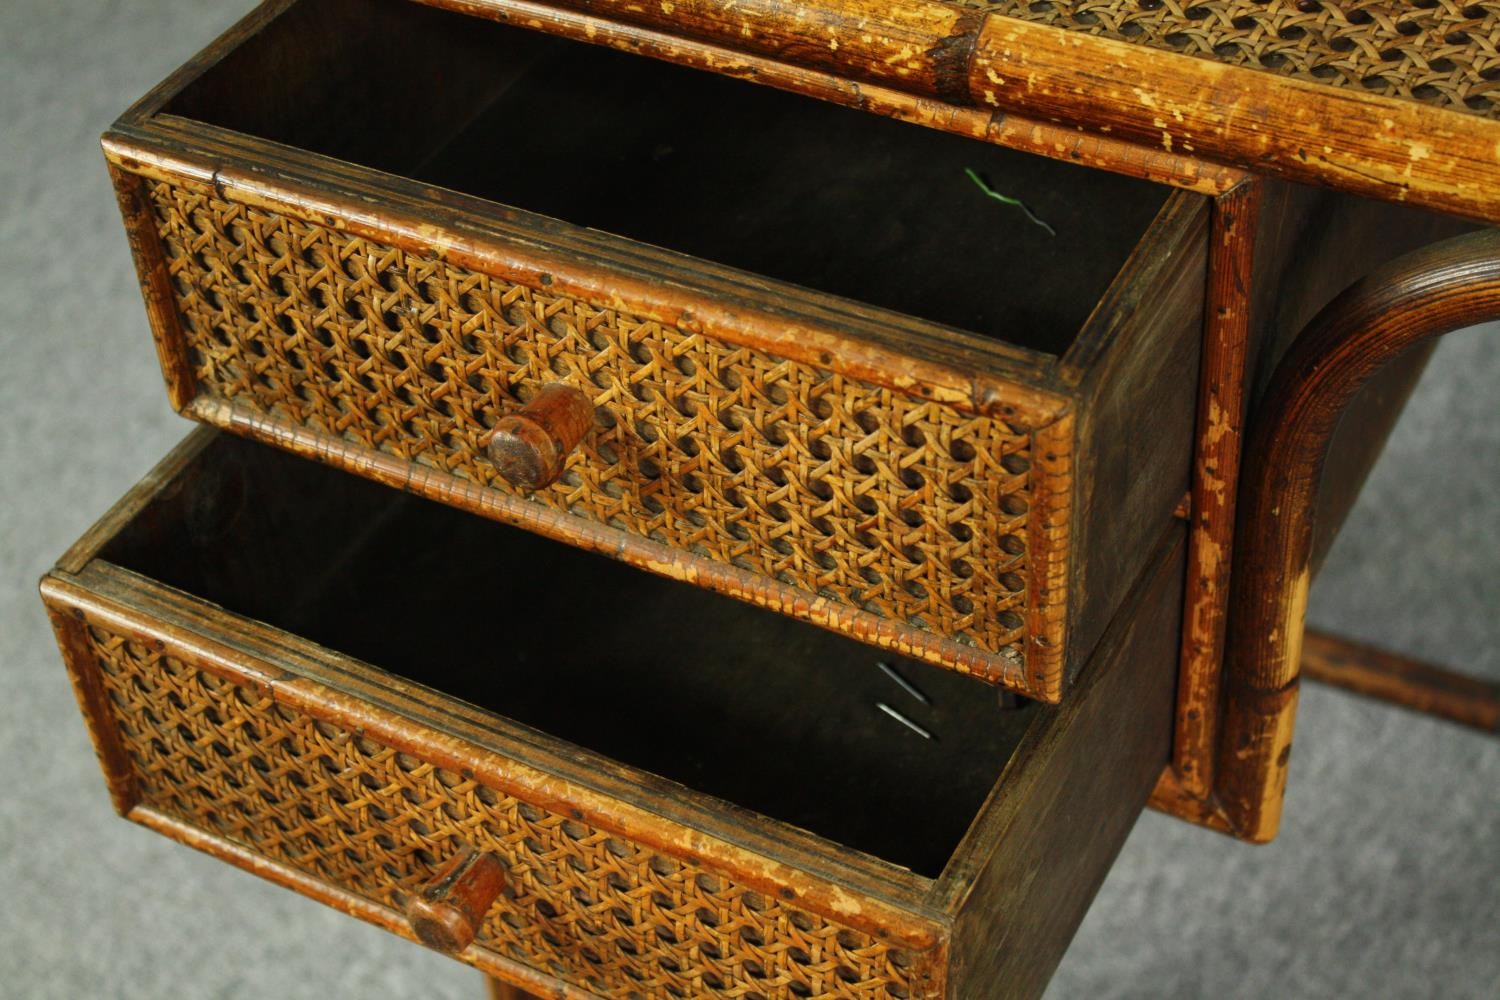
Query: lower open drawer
(344,688)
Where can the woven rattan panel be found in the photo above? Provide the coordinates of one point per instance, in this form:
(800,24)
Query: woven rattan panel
(1443,52)
(902,507)
(595,910)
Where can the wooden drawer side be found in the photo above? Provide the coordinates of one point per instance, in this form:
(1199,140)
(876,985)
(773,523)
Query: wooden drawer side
(226,756)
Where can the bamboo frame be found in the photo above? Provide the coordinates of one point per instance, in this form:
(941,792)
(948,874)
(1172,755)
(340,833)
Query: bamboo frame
(1428,293)
(1222,392)
(1401,680)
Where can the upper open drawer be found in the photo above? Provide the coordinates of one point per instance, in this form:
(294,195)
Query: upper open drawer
(873,397)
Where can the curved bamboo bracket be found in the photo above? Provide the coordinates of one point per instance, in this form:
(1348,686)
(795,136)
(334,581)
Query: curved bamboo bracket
(1425,294)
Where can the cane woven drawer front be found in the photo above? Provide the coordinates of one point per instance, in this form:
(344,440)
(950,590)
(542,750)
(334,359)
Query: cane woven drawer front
(596,910)
(896,479)
(908,509)
(355,786)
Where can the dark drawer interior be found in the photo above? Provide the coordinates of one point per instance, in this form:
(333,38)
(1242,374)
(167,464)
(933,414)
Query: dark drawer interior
(769,713)
(827,197)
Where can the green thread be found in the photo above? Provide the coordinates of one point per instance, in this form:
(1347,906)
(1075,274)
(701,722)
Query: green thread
(1007,200)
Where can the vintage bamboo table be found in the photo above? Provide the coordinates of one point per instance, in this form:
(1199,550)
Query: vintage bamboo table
(919,334)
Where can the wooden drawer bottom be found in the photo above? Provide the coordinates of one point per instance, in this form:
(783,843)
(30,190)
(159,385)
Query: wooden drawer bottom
(712,809)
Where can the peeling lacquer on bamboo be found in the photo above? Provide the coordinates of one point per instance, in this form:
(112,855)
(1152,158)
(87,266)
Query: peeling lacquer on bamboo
(1216,465)
(1346,139)
(1445,287)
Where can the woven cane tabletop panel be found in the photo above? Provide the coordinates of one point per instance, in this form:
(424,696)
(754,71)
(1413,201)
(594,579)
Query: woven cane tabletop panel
(904,508)
(595,910)
(1441,52)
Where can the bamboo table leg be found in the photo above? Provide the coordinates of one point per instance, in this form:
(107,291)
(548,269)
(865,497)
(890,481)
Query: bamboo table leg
(1415,298)
(1401,680)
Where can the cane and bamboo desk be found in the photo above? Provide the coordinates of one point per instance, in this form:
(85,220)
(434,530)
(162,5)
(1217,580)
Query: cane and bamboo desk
(762,386)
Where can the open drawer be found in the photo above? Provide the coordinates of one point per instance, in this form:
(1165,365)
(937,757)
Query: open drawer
(872,398)
(342,688)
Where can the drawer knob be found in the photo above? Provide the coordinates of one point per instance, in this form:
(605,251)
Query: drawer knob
(450,909)
(530,446)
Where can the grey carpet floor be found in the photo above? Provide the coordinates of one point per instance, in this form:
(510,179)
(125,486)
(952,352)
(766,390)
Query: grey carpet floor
(1384,883)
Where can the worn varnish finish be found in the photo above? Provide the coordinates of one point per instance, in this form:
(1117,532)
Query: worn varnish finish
(1364,144)
(1271,88)
(1017,919)
(1430,292)
(1216,455)
(1124,484)
(448,912)
(530,447)
(1438,52)
(1269,276)
(1401,680)
(928,490)
(354,786)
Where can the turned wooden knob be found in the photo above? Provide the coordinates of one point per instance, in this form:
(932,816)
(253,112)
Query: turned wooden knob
(530,446)
(450,909)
